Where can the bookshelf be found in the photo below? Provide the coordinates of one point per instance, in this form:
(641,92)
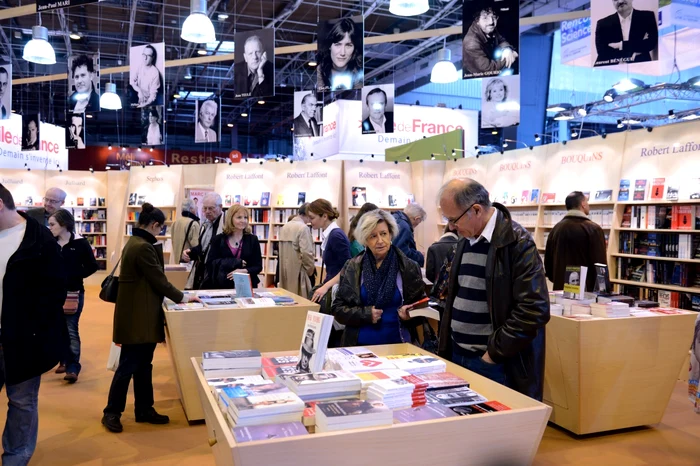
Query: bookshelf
(91,223)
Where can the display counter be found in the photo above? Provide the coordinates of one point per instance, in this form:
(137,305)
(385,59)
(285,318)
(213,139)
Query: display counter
(608,374)
(190,332)
(505,437)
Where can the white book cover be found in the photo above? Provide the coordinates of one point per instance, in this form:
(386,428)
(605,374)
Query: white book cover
(314,342)
(354,364)
(255,302)
(321,379)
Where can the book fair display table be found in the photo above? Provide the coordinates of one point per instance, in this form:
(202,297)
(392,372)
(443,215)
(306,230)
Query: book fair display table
(503,437)
(190,331)
(605,374)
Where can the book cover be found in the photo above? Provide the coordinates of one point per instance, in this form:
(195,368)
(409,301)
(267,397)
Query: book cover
(280,360)
(301,198)
(237,199)
(575,281)
(686,217)
(457,396)
(227,200)
(81,202)
(624,193)
(246,201)
(410,199)
(640,190)
(423,413)
(442,380)
(101,202)
(393,200)
(265,199)
(534,195)
(269,431)
(359,196)
(276,402)
(231,354)
(280,199)
(602,279)
(548,198)
(354,364)
(243,285)
(141,200)
(254,389)
(93,202)
(672,190)
(604,195)
(657,188)
(314,341)
(349,408)
(480,408)
(271,372)
(525,197)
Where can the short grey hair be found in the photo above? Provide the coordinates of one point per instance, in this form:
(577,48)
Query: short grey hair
(466,192)
(369,222)
(213,197)
(413,210)
(61,194)
(188,204)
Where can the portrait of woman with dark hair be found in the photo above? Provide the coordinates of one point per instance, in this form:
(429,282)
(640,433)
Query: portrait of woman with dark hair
(152,134)
(340,58)
(84,79)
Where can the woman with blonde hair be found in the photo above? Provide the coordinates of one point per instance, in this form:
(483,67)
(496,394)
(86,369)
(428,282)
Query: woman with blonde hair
(234,250)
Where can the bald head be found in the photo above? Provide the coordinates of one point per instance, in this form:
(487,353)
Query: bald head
(465,192)
(54,200)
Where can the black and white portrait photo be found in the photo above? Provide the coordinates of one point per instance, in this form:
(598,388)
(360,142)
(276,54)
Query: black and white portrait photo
(339,55)
(491,38)
(75,131)
(254,66)
(5,91)
(152,124)
(84,83)
(626,31)
(146,71)
(206,127)
(30,132)
(308,120)
(500,102)
(378,109)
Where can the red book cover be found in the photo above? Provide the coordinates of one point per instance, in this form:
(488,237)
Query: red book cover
(686,217)
(548,198)
(674,217)
(498,406)
(657,188)
(419,383)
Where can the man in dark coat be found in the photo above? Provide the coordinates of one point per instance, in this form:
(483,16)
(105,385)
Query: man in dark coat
(626,36)
(485,52)
(574,241)
(305,123)
(53,200)
(257,78)
(33,331)
(497,304)
(407,221)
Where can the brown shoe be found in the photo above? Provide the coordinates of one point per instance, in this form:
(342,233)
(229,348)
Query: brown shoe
(61,369)
(71,377)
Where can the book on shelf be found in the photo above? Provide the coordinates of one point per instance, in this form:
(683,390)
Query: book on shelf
(575,281)
(265,199)
(657,188)
(359,196)
(231,359)
(410,199)
(624,193)
(301,198)
(548,198)
(672,190)
(236,199)
(438,380)
(314,342)
(525,197)
(141,200)
(534,196)
(266,408)
(93,202)
(604,195)
(393,200)
(356,364)
(218,383)
(322,385)
(81,202)
(227,200)
(269,431)
(640,190)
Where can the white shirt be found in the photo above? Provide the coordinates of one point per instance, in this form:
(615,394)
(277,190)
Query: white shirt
(325,233)
(487,234)
(379,128)
(10,240)
(625,24)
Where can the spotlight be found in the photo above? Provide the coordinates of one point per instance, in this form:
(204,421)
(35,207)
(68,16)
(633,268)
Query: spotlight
(564,142)
(216,160)
(432,156)
(230,125)
(312,155)
(454,154)
(537,138)
(150,162)
(396,162)
(408,159)
(574,134)
(559,107)
(619,124)
(603,135)
(261,162)
(371,155)
(610,95)
(671,115)
(361,160)
(110,146)
(244,114)
(564,116)
(108,167)
(92,170)
(628,85)
(505,144)
(151,149)
(261,102)
(201,51)
(312,63)
(582,111)
(246,159)
(494,132)
(324,160)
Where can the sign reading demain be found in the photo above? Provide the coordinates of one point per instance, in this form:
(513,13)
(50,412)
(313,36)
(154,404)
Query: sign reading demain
(52,155)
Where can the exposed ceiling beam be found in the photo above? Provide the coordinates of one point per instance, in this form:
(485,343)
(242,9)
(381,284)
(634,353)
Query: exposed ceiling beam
(66,32)
(132,17)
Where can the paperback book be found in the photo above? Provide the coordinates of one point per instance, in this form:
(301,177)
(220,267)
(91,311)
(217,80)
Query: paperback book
(640,190)
(657,188)
(359,196)
(624,193)
(672,191)
(548,198)
(301,198)
(479,408)
(243,285)
(575,281)
(457,396)
(426,412)
(265,199)
(351,414)
(604,196)
(534,196)
(269,431)
(355,364)
(314,341)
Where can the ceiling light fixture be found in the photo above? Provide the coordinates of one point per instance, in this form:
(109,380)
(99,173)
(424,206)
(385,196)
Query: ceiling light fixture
(222,16)
(537,138)
(628,85)
(692,116)
(694,81)
(244,114)
(202,51)
(494,132)
(564,116)
(671,115)
(261,102)
(230,125)
(75,35)
(574,134)
(408,7)
(109,98)
(610,95)
(188,74)
(630,121)
(39,50)
(444,70)
(559,107)
(198,28)
(619,124)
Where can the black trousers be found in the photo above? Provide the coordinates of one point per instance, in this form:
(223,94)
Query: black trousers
(134,361)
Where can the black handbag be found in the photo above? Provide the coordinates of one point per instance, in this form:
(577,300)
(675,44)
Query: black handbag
(327,299)
(110,286)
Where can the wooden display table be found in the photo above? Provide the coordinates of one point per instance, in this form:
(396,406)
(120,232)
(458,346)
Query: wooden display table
(608,374)
(505,437)
(189,333)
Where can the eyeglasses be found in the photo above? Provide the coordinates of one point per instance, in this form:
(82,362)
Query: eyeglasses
(209,209)
(51,201)
(454,221)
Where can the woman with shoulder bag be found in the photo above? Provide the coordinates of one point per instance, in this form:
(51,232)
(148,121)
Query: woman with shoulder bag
(139,320)
(80,263)
(234,250)
(377,286)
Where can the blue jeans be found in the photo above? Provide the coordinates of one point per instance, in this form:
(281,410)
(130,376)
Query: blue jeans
(72,358)
(22,424)
(495,372)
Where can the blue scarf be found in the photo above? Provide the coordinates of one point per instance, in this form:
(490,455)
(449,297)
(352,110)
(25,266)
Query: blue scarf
(380,283)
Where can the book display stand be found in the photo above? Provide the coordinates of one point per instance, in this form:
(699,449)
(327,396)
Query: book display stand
(189,332)
(517,432)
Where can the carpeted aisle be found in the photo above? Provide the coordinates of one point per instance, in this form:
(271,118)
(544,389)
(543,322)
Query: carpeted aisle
(70,432)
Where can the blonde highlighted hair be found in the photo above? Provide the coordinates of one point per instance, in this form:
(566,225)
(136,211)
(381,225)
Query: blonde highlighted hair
(230,214)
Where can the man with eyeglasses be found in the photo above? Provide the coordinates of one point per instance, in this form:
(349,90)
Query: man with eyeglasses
(497,302)
(485,52)
(53,200)
(213,225)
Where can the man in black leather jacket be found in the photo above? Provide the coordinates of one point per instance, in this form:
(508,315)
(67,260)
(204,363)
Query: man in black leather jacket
(498,303)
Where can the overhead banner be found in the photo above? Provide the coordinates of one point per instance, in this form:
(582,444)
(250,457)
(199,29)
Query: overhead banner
(254,66)
(339,56)
(378,109)
(45,5)
(5,91)
(500,102)
(308,114)
(490,38)
(623,33)
(84,83)
(146,71)
(575,39)
(51,155)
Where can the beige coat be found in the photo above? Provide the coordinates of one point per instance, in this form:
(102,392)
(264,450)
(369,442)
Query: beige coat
(296,257)
(179,231)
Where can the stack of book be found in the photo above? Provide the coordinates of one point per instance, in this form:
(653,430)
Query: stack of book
(355,364)
(479,408)
(218,383)
(334,355)
(440,380)
(610,310)
(369,377)
(231,363)
(415,363)
(323,385)
(351,414)
(262,404)
(404,392)
(456,396)
(423,413)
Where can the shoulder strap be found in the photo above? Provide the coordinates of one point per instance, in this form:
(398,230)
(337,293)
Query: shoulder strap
(187,234)
(111,274)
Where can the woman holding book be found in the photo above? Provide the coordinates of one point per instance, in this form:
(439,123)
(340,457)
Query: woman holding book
(355,247)
(377,286)
(236,250)
(80,263)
